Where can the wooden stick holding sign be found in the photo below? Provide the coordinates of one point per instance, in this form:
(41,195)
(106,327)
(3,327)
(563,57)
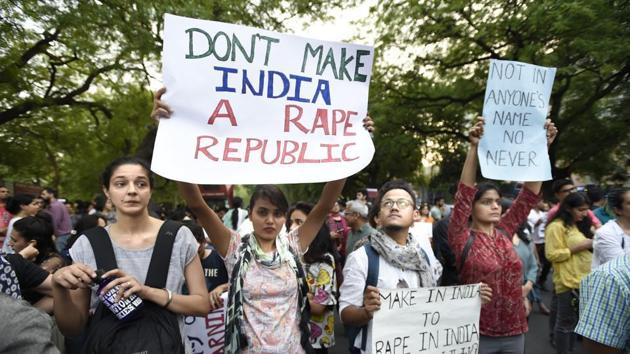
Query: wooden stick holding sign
(514,144)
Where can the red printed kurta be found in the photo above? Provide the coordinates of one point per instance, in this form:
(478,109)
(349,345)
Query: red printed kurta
(492,260)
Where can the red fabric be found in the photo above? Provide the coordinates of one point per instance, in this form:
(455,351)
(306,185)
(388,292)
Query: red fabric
(492,260)
(337,223)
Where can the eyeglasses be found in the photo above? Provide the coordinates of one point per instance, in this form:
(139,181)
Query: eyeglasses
(401,203)
(568,190)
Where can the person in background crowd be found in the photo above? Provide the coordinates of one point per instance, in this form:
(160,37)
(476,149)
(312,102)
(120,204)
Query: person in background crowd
(537,219)
(109,212)
(613,239)
(357,217)
(362,197)
(297,215)
(604,321)
(5,216)
(235,216)
(37,231)
(85,223)
(437,209)
(425,215)
(568,251)
(128,182)
(561,188)
(319,264)
(60,218)
(595,196)
(213,266)
(338,230)
(321,273)
(520,243)
(20,206)
(604,213)
(491,258)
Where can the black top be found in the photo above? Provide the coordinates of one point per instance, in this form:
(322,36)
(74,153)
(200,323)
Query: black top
(28,273)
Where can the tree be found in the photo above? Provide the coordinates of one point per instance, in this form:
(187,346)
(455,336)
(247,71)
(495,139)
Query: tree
(74,78)
(431,101)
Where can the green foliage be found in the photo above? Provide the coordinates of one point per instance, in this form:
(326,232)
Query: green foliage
(424,102)
(74,77)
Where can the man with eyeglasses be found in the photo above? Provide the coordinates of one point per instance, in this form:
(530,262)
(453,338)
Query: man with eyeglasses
(561,188)
(402,262)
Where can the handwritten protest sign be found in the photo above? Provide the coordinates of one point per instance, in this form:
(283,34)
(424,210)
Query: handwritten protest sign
(514,143)
(442,320)
(206,334)
(255,106)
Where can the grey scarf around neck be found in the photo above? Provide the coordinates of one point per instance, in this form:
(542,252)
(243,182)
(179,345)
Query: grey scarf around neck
(408,257)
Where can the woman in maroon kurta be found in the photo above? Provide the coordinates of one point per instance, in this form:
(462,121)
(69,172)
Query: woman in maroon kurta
(491,258)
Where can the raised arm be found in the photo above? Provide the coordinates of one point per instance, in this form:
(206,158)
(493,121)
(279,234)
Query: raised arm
(209,220)
(469,171)
(317,216)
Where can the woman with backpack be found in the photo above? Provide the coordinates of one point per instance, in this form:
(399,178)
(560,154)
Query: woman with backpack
(568,250)
(133,239)
(267,309)
(481,240)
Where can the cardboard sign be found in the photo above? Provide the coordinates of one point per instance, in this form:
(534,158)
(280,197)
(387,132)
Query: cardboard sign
(254,106)
(514,143)
(206,335)
(440,320)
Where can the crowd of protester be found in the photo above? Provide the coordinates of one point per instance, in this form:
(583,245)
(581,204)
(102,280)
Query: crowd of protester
(281,271)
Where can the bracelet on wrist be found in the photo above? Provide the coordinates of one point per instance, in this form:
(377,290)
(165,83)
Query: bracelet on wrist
(170,297)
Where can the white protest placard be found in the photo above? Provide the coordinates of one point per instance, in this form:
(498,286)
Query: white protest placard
(206,335)
(440,320)
(514,142)
(254,106)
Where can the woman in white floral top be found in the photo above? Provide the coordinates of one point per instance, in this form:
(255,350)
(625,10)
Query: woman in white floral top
(319,264)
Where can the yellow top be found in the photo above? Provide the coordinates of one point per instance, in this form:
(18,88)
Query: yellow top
(568,269)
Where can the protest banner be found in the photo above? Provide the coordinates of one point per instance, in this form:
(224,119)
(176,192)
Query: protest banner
(253,106)
(206,335)
(514,142)
(443,320)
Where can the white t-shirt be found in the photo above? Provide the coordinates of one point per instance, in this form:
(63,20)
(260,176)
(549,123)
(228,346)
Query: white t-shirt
(538,231)
(355,277)
(5,246)
(609,242)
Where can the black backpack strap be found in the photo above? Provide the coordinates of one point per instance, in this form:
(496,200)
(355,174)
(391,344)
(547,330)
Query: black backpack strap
(372,279)
(161,256)
(467,247)
(102,248)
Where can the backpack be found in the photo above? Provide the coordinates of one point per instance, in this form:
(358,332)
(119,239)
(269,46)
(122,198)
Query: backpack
(372,279)
(154,329)
(445,255)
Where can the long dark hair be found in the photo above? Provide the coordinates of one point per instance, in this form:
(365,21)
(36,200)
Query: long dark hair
(571,201)
(15,203)
(237,202)
(321,245)
(301,206)
(39,229)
